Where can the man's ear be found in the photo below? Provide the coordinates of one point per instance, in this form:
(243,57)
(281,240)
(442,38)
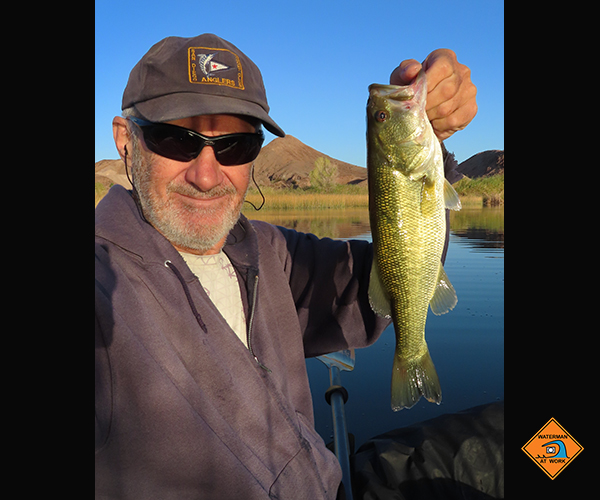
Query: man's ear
(120,135)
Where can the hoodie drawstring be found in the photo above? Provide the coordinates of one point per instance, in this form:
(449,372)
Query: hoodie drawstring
(172,267)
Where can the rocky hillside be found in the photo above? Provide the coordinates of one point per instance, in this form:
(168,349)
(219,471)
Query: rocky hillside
(484,164)
(287,161)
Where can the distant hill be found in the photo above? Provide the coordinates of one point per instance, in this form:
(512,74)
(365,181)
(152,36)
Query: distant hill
(287,161)
(484,164)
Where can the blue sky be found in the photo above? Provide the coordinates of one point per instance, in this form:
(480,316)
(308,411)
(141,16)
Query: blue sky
(317,58)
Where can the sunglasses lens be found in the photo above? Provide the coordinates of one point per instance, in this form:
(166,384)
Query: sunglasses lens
(237,150)
(175,144)
(180,144)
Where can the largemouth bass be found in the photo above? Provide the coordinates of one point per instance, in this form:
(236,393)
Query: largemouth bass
(408,195)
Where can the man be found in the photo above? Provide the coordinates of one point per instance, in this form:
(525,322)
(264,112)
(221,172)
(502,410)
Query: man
(204,319)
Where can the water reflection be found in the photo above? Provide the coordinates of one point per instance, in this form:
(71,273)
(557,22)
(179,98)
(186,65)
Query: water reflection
(344,224)
(483,228)
(467,344)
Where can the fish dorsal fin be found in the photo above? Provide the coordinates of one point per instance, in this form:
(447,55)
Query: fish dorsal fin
(444,298)
(378,297)
(451,199)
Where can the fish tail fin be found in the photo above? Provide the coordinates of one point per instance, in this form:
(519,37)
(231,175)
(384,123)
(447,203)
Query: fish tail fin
(412,379)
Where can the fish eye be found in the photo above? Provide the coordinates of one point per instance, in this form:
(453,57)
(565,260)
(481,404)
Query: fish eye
(381,116)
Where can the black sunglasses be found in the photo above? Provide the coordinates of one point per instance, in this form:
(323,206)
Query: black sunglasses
(182,144)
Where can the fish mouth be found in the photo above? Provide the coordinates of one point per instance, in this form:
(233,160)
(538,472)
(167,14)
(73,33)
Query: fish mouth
(394,92)
(416,90)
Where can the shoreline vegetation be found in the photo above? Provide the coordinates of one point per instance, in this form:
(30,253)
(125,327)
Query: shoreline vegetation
(337,197)
(483,191)
(473,193)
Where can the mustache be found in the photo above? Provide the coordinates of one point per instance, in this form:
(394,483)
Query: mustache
(193,192)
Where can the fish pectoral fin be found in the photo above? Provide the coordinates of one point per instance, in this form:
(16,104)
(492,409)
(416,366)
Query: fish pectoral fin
(451,199)
(444,298)
(378,297)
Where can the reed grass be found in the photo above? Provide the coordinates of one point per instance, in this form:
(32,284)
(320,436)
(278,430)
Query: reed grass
(340,197)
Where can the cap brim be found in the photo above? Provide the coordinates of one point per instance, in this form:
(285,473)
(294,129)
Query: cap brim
(183,105)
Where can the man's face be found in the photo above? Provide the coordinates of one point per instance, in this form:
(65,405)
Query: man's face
(193,204)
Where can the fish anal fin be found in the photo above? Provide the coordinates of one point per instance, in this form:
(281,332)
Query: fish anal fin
(378,297)
(444,298)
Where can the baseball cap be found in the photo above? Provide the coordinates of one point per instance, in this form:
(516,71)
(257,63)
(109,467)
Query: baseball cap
(204,75)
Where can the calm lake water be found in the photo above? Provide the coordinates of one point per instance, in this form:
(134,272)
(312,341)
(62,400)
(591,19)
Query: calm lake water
(466,344)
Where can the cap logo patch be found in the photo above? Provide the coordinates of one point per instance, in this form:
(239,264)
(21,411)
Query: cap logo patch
(211,66)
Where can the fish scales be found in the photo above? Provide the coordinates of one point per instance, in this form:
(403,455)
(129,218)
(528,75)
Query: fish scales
(408,195)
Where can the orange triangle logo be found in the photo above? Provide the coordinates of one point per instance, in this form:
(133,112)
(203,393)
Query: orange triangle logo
(552,448)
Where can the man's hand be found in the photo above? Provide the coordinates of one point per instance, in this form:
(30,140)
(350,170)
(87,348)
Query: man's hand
(450,93)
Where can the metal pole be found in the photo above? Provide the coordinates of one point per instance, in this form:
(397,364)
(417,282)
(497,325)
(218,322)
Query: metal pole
(340,433)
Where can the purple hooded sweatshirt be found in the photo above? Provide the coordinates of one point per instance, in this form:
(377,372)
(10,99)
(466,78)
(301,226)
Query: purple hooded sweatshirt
(183,408)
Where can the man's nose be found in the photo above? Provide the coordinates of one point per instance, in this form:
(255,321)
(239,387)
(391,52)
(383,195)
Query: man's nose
(205,171)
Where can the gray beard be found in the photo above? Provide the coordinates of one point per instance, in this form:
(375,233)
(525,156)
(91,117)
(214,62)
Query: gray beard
(185,225)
